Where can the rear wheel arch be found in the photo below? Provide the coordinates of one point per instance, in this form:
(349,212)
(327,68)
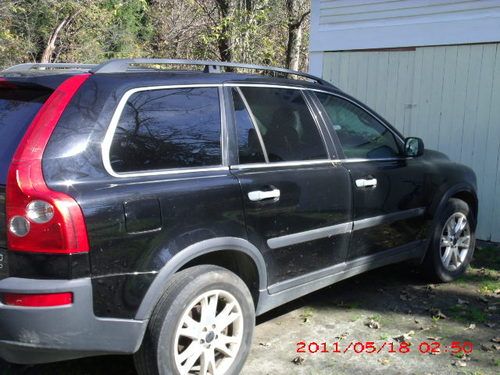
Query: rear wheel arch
(231,253)
(236,261)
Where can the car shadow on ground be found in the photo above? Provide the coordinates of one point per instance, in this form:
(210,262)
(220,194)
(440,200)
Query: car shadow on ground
(396,291)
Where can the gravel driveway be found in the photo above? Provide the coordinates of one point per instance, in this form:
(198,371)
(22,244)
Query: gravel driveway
(391,307)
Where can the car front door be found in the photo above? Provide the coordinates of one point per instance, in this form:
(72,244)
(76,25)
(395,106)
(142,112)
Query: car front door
(297,201)
(389,197)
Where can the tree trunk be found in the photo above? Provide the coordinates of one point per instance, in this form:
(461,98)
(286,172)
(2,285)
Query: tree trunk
(224,41)
(51,44)
(293,47)
(296,19)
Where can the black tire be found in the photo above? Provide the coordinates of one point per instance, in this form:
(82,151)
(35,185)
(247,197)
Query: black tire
(433,265)
(156,354)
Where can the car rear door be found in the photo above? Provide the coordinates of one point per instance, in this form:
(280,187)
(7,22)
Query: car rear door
(297,201)
(389,197)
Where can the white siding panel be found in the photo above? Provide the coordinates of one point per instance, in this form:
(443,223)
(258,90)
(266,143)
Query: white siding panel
(449,96)
(348,25)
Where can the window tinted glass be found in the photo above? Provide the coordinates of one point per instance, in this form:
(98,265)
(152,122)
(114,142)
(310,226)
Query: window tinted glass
(360,134)
(249,146)
(286,124)
(18,107)
(173,128)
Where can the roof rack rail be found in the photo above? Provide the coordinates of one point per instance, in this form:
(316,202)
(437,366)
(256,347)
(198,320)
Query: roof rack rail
(50,66)
(124,65)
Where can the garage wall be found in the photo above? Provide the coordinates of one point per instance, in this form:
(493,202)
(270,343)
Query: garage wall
(447,95)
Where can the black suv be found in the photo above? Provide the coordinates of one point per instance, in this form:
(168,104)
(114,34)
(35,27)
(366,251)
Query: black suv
(156,211)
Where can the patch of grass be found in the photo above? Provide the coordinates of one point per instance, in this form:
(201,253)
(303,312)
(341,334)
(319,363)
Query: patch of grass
(435,319)
(467,314)
(384,336)
(376,317)
(487,287)
(356,317)
(307,314)
(349,305)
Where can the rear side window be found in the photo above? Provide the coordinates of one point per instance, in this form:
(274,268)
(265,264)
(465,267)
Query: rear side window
(168,128)
(285,123)
(18,107)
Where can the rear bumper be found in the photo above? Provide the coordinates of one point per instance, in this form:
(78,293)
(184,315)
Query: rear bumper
(39,335)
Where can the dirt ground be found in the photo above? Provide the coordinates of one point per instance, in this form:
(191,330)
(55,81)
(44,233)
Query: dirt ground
(391,305)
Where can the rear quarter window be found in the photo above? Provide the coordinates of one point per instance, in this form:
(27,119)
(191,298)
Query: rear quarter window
(18,107)
(168,128)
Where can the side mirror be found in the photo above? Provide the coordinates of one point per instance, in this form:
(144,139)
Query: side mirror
(414,146)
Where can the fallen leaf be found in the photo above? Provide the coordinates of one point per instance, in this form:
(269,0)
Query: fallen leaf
(491,308)
(404,337)
(462,302)
(483,299)
(437,338)
(342,336)
(490,325)
(373,324)
(298,360)
(496,347)
(384,361)
(485,348)
(265,344)
(459,364)
(497,291)
(437,314)
(471,326)
(496,340)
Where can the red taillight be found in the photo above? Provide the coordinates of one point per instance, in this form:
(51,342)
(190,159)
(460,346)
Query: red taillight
(65,232)
(38,300)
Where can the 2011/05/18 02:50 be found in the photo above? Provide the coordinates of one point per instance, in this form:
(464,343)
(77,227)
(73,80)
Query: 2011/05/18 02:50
(371,347)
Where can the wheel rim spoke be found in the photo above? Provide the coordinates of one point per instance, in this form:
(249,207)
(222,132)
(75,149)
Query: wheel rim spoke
(208,362)
(189,356)
(459,227)
(226,317)
(454,258)
(192,328)
(464,241)
(208,308)
(447,256)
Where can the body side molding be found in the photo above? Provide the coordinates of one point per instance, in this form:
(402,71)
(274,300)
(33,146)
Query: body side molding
(191,252)
(342,228)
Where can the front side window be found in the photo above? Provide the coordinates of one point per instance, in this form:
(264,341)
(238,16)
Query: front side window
(168,128)
(360,134)
(285,124)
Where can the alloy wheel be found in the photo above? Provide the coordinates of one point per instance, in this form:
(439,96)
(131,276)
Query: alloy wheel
(209,334)
(455,241)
